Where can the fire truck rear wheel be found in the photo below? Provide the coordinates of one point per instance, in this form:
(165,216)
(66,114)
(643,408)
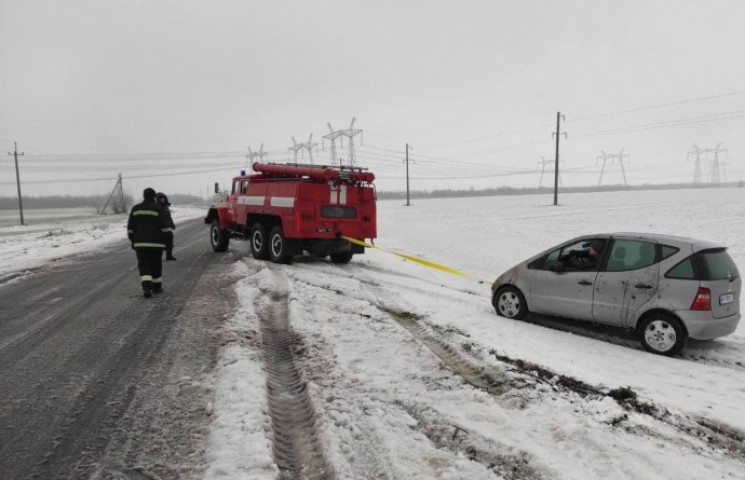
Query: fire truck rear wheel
(278,246)
(259,243)
(341,257)
(219,239)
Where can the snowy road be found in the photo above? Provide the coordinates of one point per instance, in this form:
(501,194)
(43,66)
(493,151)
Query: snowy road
(95,380)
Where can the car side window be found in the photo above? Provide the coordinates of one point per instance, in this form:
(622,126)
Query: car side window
(683,270)
(628,255)
(668,251)
(545,262)
(244,187)
(236,185)
(552,257)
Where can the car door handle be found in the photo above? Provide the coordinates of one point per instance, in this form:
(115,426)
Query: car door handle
(643,286)
(584,282)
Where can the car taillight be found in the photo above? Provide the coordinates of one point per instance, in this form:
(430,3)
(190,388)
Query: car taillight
(702,300)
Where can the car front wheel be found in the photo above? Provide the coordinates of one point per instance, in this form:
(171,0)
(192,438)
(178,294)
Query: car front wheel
(509,302)
(662,334)
(219,238)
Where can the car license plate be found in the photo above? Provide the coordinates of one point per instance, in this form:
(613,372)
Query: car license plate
(726,298)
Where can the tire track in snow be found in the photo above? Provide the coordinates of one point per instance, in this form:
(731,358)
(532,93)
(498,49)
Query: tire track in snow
(494,456)
(298,450)
(716,435)
(721,353)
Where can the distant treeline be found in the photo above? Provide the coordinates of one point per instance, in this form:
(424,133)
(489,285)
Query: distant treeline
(97,201)
(446,193)
(93,201)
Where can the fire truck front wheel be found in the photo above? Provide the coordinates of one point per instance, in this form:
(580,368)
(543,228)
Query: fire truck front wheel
(279,251)
(259,243)
(219,239)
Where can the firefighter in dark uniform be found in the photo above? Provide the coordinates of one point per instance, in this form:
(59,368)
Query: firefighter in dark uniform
(145,230)
(162,200)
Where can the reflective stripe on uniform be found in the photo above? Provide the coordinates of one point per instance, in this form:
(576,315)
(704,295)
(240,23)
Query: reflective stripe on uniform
(157,280)
(146,278)
(151,245)
(130,231)
(154,213)
(166,229)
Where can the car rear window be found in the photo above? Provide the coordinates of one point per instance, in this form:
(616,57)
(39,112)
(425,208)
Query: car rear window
(716,264)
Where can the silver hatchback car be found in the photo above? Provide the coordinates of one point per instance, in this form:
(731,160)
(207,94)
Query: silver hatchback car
(666,288)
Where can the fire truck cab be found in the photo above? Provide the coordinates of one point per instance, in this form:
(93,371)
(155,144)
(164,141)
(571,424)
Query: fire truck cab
(284,210)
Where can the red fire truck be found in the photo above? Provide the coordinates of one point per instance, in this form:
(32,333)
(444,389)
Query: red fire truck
(286,209)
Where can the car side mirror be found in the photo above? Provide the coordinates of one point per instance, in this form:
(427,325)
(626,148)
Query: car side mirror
(217,187)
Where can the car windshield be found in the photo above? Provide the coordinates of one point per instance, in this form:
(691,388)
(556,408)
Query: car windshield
(717,265)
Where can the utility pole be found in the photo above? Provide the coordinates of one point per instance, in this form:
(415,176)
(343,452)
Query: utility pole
(407,174)
(558,134)
(117,190)
(18,179)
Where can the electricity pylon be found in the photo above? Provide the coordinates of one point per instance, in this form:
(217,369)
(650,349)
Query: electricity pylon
(350,133)
(612,158)
(332,136)
(696,163)
(309,145)
(715,163)
(252,156)
(543,164)
(295,148)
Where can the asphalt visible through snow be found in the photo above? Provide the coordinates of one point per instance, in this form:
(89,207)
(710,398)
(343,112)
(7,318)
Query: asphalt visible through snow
(97,381)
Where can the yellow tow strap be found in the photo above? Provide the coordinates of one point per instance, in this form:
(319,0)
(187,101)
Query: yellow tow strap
(411,258)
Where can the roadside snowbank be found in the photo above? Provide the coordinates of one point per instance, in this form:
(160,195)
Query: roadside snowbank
(50,235)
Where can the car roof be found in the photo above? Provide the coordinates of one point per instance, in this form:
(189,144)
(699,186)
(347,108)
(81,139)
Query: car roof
(672,240)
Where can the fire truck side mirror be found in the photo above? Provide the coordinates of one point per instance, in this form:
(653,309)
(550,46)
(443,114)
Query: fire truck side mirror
(217,187)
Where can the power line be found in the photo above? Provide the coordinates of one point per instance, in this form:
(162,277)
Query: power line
(669,123)
(662,105)
(109,178)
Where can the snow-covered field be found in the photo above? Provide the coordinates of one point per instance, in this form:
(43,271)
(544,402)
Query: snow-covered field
(394,352)
(51,234)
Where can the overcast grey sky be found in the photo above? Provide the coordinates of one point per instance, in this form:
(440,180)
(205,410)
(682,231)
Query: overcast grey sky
(171,93)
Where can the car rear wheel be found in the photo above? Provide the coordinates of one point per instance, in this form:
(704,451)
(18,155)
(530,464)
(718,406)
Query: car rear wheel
(278,248)
(662,334)
(259,244)
(344,257)
(509,302)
